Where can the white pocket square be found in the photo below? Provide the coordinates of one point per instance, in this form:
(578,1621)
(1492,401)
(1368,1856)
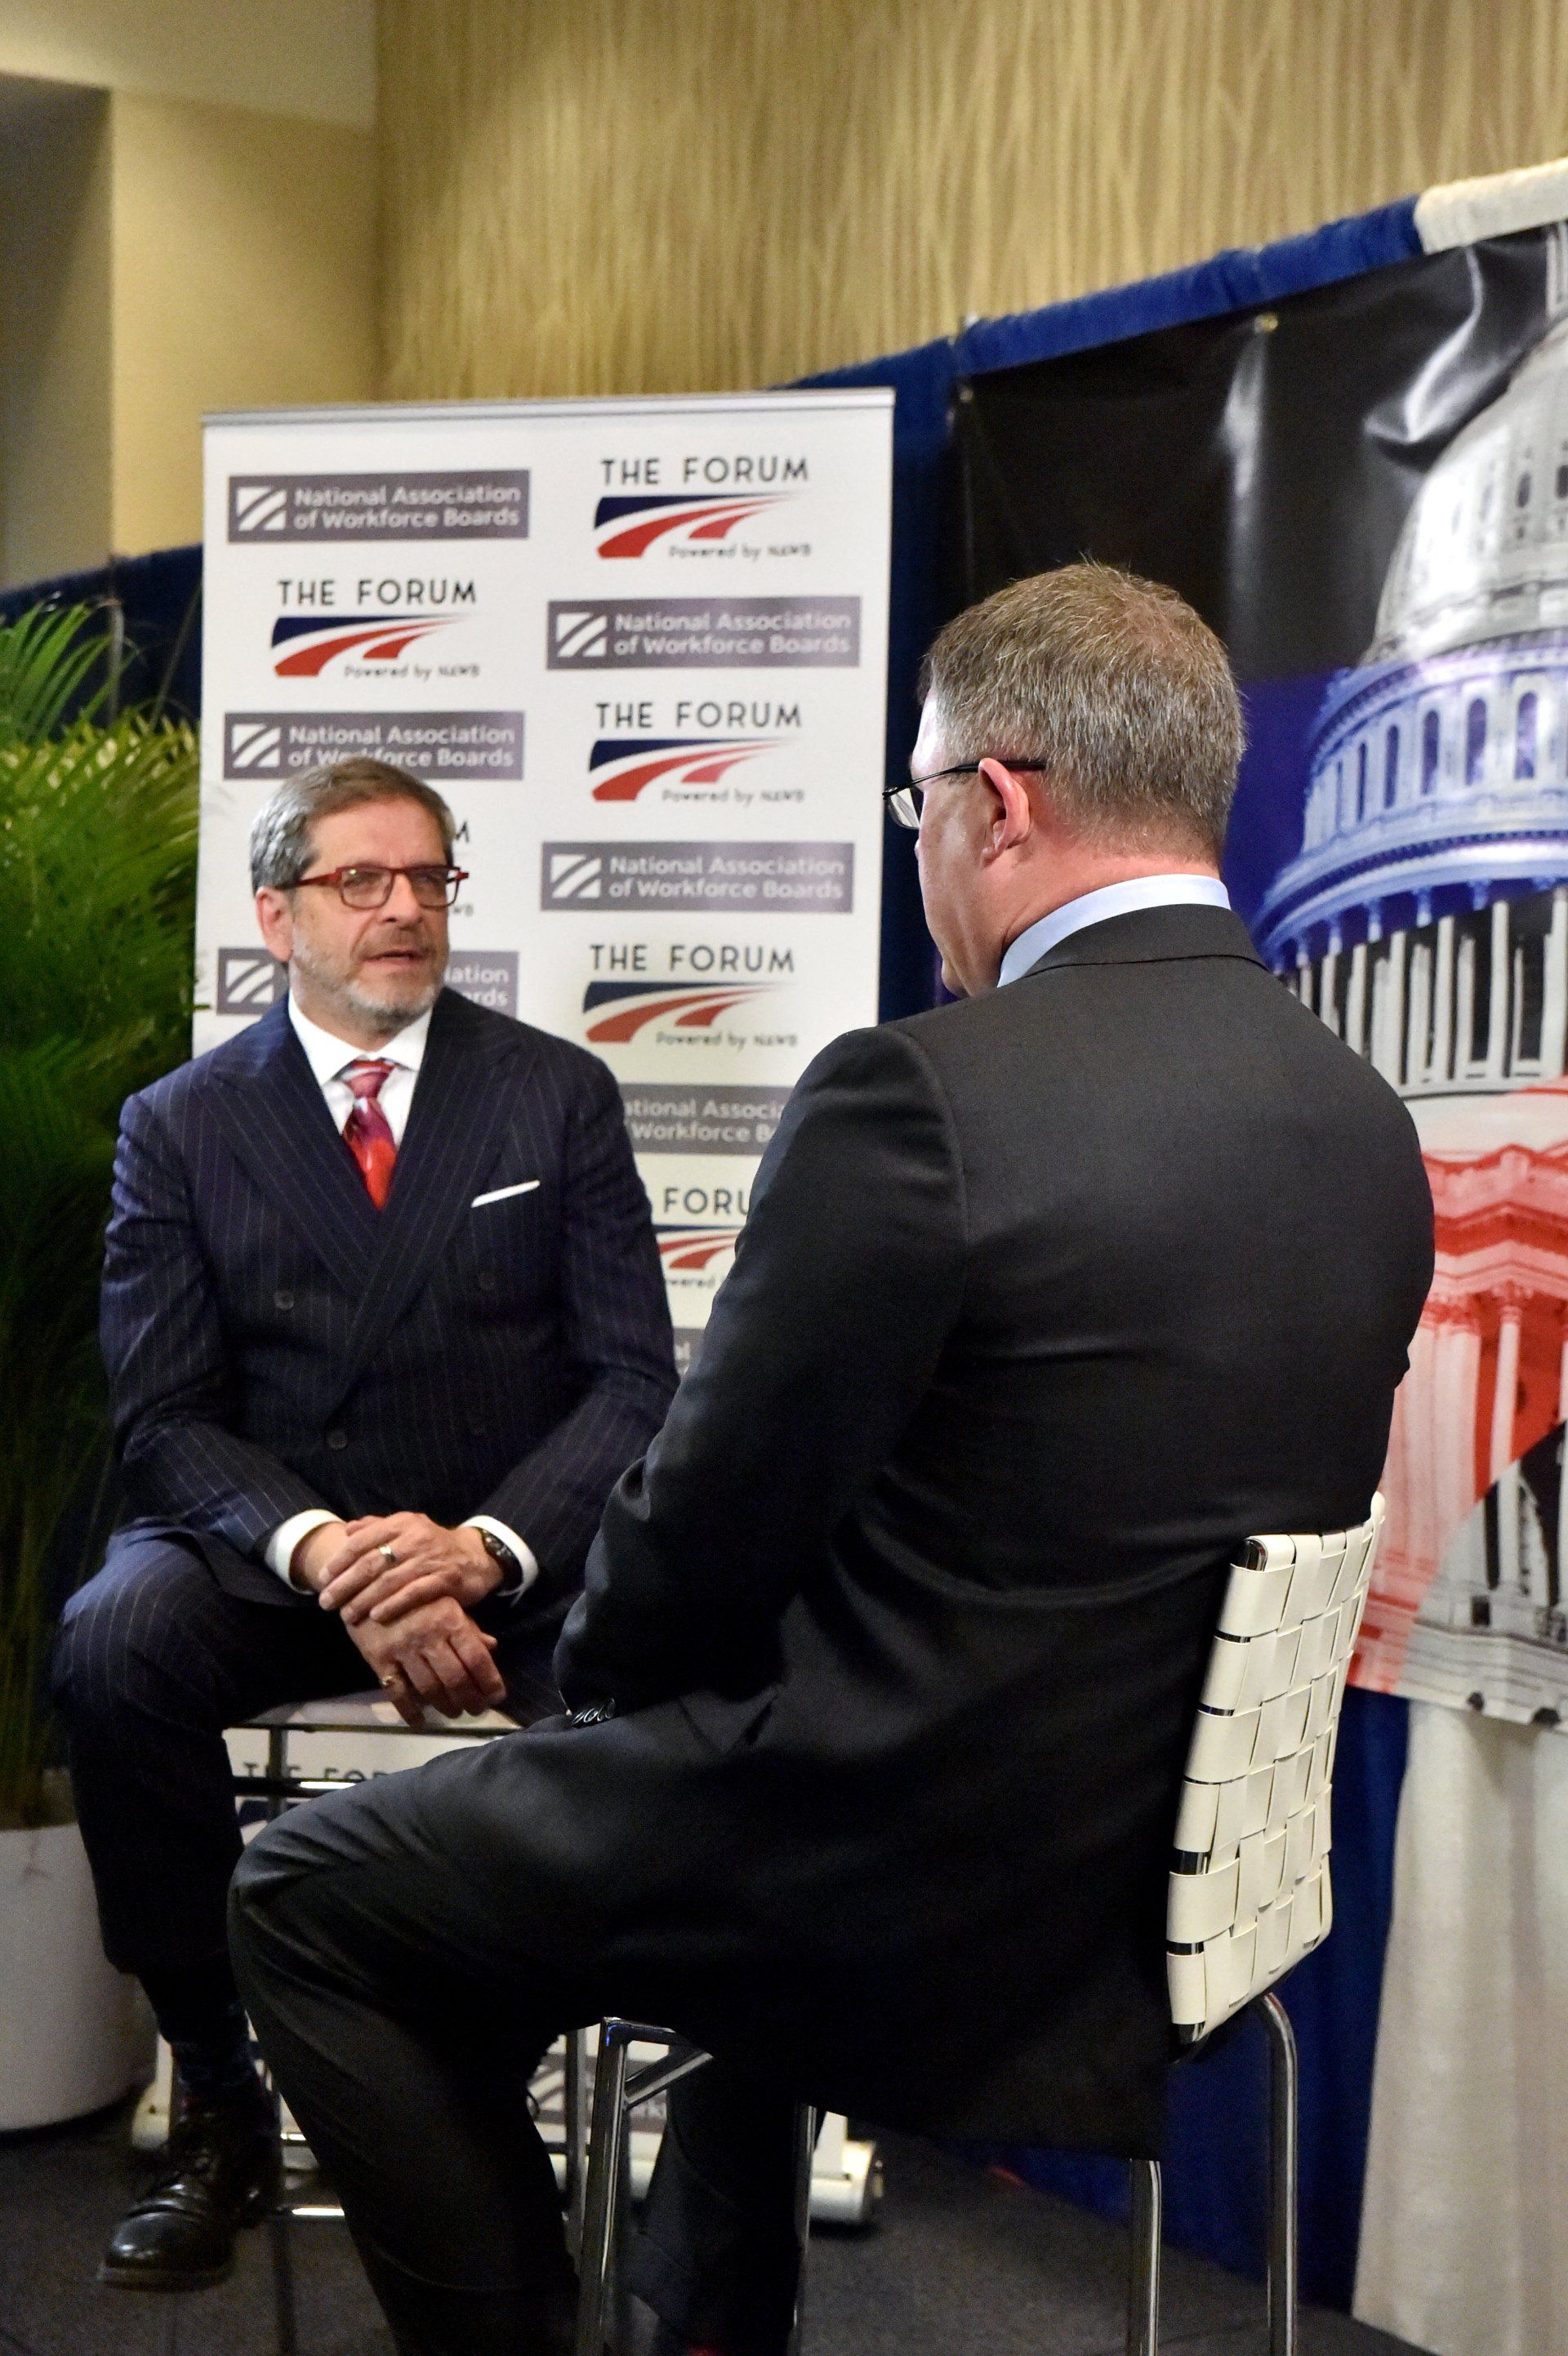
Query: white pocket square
(502,1194)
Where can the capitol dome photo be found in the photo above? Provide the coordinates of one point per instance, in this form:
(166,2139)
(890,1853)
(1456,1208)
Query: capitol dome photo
(1425,920)
(1426,915)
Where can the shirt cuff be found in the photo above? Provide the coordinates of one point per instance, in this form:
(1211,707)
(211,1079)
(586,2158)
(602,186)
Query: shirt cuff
(519,1547)
(286,1537)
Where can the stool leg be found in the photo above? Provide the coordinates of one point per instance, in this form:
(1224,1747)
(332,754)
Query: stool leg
(280,2225)
(1285,2285)
(617,2290)
(807,2123)
(1143,2281)
(576,2130)
(609,2125)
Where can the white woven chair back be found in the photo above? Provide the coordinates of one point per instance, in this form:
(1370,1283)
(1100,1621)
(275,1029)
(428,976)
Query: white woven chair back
(1250,1888)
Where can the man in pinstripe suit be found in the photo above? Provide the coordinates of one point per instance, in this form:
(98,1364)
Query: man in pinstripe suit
(382,1314)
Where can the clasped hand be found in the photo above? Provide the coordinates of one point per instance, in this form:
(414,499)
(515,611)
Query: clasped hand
(361,1582)
(409,1616)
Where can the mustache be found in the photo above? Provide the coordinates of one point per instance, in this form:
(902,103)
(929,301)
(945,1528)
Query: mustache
(403,937)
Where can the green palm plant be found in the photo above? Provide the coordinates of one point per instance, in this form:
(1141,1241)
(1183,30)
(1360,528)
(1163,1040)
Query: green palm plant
(97,884)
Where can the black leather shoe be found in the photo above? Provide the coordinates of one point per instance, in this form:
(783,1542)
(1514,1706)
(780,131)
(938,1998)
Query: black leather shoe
(223,2170)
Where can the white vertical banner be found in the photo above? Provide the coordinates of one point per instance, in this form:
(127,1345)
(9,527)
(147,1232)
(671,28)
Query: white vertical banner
(640,646)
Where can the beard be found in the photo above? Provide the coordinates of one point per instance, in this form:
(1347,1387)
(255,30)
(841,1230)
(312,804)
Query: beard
(361,1001)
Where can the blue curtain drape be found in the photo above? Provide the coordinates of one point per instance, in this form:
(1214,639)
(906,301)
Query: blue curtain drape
(1236,280)
(159,599)
(922,382)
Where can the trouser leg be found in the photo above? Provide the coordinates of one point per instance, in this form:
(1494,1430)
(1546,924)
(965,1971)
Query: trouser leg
(718,2257)
(154,1660)
(403,2032)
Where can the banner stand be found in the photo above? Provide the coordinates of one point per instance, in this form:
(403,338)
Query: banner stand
(641,648)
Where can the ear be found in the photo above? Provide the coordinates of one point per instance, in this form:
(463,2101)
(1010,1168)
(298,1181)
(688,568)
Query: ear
(276,919)
(1012,812)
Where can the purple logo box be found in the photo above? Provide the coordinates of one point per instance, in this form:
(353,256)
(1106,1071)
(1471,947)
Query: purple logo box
(704,633)
(453,747)
(476,503)
(762,878)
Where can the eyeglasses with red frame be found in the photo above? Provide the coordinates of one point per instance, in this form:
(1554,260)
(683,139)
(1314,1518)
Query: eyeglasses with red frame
(371,887)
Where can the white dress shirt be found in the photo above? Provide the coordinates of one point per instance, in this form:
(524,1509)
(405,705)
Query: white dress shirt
(329,1058)
(1110,900)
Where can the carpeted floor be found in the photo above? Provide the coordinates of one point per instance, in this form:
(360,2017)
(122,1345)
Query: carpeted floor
(962,2264)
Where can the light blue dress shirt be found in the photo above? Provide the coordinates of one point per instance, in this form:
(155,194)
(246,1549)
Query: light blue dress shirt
(1110,900)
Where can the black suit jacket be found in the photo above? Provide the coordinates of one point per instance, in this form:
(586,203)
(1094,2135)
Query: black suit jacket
(1045,1301)
(275,1342)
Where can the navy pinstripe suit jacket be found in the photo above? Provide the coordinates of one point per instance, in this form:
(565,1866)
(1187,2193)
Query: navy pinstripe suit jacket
(275,1342)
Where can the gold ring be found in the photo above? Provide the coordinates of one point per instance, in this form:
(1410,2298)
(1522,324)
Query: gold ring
(386,1554)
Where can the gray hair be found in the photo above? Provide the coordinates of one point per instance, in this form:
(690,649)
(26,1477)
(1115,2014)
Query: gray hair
(281,845)
(1114,686)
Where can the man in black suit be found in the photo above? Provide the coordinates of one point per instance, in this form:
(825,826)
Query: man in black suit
(890,1648)
(380,1288)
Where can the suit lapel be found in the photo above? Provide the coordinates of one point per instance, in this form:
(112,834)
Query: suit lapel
(275,1121)
(459,1109)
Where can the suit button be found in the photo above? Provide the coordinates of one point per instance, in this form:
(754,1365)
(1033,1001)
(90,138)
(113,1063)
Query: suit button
(336,1439)
(486,1279)
(283,1298)
(478,1428)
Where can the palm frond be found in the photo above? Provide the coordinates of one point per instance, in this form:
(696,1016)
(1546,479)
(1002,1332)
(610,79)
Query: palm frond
(96,887)
(47,657)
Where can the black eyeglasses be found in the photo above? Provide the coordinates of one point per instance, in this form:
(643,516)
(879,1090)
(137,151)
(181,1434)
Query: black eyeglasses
(371,887)
(905,803)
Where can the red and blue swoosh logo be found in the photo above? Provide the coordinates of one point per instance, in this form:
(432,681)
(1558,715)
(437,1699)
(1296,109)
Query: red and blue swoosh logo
(621,765)
(694,1248)
(302,647)
(628,526)
(618,1010)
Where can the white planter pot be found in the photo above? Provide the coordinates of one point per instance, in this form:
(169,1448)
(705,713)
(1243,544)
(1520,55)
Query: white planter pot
(73,2033)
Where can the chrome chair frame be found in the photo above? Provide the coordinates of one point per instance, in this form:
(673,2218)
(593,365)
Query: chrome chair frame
(1284,2264)
(618,2090)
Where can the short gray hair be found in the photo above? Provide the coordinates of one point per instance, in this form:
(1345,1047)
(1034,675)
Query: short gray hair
(1114,686)
(281,845)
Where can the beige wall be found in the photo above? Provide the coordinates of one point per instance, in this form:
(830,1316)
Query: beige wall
(55,276)
(310,58)
(187,222)
(608,196)
(602,196)
(244,277)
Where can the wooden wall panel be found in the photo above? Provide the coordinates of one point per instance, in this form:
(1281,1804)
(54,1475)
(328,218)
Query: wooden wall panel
(627,195)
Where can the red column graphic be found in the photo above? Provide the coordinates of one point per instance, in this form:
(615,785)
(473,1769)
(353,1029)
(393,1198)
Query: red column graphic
(1486,1373)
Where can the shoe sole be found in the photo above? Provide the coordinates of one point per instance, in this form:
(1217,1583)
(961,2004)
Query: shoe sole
(144,2278)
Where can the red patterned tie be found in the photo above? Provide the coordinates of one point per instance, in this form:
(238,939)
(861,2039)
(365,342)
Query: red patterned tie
(366,1132)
